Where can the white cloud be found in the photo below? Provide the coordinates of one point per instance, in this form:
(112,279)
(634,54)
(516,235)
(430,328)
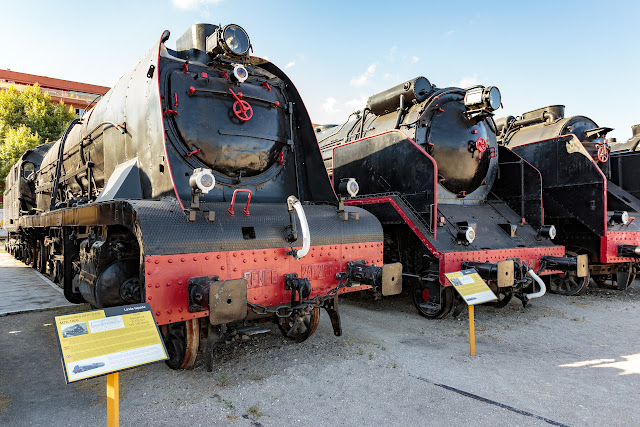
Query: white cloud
(290,64)
(414,59)
(329,105)
(448,33)
(357,103)
(192,4)
(363,79)
(467,81)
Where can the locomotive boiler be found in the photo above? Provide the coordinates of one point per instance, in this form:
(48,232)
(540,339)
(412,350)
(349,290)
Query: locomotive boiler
(429,167)
(583,189)
(196,185)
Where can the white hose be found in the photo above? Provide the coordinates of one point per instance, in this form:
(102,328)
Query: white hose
(543,288)
(306,235)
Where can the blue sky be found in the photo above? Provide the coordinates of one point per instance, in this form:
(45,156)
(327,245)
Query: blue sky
(582,54)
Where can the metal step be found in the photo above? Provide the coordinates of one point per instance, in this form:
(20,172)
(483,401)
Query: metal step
(624,196)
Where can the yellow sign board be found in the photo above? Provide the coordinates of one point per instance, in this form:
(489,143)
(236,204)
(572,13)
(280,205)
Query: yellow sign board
(470,286)
(100,342)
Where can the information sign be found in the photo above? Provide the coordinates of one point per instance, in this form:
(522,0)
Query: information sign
(100,342)
(471,287)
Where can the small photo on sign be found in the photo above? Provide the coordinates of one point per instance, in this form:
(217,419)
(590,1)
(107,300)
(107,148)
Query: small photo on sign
(75,329)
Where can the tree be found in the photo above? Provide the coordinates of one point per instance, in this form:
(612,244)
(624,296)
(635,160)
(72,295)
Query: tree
(28,119)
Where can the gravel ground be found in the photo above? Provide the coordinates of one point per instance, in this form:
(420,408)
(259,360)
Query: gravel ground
(560,361)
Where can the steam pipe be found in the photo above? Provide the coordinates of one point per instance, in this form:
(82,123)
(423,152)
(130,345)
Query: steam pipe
(543,288)
(56,180)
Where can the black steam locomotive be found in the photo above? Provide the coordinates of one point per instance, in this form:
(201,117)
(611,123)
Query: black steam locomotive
(584,197)
(196,185)
(429,167)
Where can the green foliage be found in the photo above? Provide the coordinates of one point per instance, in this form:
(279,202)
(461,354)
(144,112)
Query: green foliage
(28,119)
(16,142)
(255,411)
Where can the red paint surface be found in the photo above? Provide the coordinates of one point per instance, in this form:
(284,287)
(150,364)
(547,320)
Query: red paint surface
(167,276)
(450,261)
(609,245)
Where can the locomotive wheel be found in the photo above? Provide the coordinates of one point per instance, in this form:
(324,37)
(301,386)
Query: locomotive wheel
(301,324)
(181,340)
(427,309)
(568,284)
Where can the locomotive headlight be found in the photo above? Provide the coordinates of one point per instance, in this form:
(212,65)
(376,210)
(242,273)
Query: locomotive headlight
(487,98)
(235,40)
(349,186)
(548,231)
(203,180)
(493,97)
(619,217)
(230,40)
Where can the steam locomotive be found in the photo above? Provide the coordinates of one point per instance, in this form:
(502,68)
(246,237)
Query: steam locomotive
(196,185)
(584,197)
(428,165)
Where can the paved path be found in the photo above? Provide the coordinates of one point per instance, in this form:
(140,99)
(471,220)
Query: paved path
(24,289)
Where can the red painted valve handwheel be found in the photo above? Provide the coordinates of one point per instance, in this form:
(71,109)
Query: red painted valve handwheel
(481,144)
(603,154)
(241,108)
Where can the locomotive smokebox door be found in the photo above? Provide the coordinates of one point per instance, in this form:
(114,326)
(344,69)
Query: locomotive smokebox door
(391,279)
(227,301)
(506,275)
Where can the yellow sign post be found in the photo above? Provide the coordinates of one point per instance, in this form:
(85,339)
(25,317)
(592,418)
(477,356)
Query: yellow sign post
(472,332)
(113,403)
(473,290)
(105,342)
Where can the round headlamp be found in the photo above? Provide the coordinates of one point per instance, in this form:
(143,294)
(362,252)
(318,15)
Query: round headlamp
(234,40)
(203,180)
(349,186)
(548,231)
(466,234)
(240,73)
(620,217)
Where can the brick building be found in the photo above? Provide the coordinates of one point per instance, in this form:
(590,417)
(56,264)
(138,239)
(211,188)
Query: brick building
(74,94)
